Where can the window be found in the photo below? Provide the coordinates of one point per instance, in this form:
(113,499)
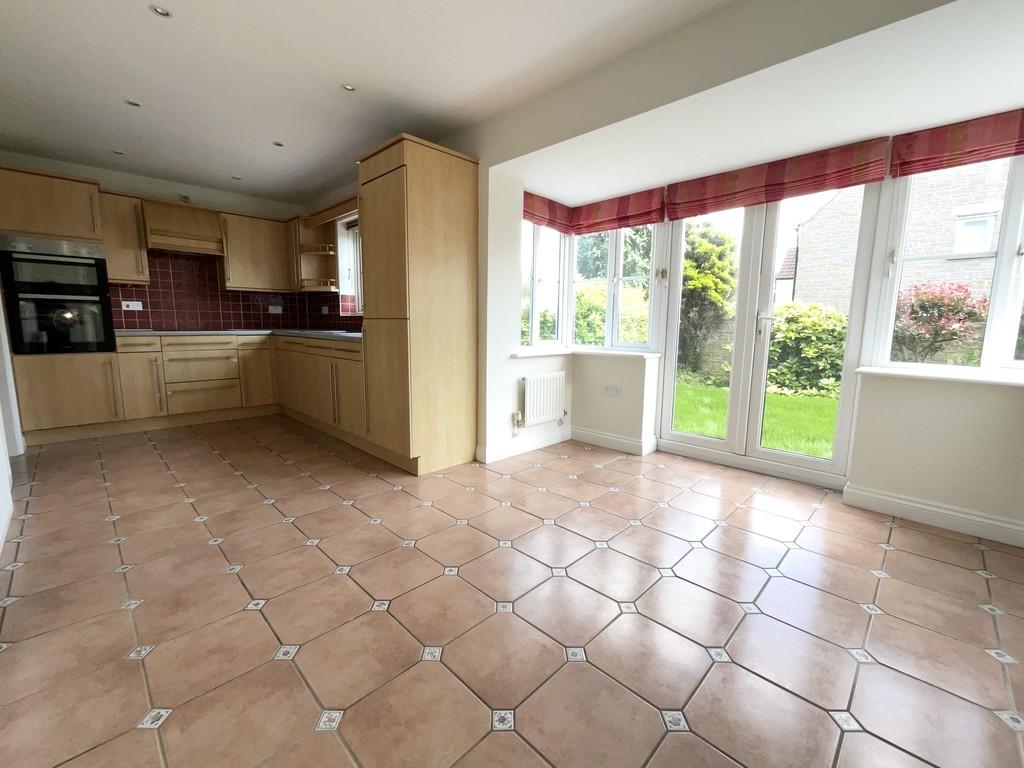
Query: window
(350,263)
(541,266)
(612,287)
(956,301)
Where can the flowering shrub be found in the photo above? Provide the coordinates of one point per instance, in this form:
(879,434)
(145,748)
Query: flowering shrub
(806,351)
(936,321)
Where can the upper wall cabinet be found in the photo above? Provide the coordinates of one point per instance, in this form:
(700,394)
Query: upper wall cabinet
(35,204)
(256,254)
(124,240)
(182,228)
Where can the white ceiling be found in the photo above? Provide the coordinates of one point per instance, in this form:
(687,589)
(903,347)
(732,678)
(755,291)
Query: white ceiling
(957,61)
(221,80)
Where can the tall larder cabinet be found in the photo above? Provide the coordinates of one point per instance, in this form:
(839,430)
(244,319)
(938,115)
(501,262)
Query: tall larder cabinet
(418,225)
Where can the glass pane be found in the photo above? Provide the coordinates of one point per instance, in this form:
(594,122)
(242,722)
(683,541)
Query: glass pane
(590,287)
(549,283)
(1019,352)
(526,281)
(813,265)
(635,285)
(942,303)
(707,322)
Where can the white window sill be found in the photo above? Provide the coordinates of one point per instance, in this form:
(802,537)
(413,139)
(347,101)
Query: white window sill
(528,352)
(1005,377)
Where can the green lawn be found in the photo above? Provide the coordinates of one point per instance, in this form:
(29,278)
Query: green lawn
(794,423)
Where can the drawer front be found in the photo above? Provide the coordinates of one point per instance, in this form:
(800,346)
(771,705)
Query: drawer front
(138,343)
(189,397)
(178,343)
(253,342)
(343,349)
(291,343)
(383,162)
(200,364)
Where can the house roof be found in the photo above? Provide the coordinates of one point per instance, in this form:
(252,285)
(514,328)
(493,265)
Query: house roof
(788,269)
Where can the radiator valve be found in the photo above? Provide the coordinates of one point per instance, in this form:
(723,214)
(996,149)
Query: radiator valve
(517,423)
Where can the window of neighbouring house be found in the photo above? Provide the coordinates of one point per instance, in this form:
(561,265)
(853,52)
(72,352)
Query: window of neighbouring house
(946,263)
(541,268)
(612,281)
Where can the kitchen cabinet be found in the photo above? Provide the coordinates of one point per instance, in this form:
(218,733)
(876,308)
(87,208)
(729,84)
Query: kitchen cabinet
(142,385)
(313,255)
(200,365)
(182,228)
(256,374)
(350,392)
(382,226)
(386,367)
(418,225)
(321,379)
(68,390)
(124,241)
(256,254)
(192,396)
(38,204)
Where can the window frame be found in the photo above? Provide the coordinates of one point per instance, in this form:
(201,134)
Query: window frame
(1006,294)
(356,246)
(658,280)
(564,241)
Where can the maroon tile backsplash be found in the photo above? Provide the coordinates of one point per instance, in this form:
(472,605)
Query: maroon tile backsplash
(185,294)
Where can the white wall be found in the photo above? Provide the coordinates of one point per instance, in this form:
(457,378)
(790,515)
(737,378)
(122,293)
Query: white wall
(147,186)
(622,419)
(949,453)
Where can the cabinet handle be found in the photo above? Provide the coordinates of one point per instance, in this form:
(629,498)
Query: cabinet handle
(334,393)
(113,389)
(186,359)
(196,343)
(159,386)
(135,343)
(93,200)
(199,389)
(318,346)
(241,376)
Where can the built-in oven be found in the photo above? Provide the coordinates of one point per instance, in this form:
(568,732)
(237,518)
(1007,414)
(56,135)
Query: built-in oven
(55,296)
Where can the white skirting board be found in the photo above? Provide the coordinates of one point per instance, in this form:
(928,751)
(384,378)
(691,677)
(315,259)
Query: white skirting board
(998,528)
(631,445)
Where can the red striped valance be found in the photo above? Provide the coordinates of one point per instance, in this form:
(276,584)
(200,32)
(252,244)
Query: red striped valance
(548,213)
(860,163)
(972,141)
(647,207)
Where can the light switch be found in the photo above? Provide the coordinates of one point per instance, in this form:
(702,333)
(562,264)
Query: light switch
(131,306)
(275,309)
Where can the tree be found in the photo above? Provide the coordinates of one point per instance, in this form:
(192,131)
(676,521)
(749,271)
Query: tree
(934,319)
(709,282)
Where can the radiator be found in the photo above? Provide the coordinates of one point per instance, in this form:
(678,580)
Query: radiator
(544,398)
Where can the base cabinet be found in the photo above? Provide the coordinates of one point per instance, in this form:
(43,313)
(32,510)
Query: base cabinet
(386,367)
(256,375)
(142,384)
(192,396)
(350,395)
(68,390)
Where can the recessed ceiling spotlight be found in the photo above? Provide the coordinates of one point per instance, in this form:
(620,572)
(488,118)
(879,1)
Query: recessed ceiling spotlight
(349,87)
(117,152)
(278,144)
(133,103)
(160,11)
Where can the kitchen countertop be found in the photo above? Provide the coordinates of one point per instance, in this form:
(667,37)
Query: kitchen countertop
(334,335)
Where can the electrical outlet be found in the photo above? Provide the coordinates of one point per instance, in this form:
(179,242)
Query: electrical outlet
(613,390)
(275,309)
(131,306)
(324,310)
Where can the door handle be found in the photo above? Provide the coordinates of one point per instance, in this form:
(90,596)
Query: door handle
(761,321)
(113,389)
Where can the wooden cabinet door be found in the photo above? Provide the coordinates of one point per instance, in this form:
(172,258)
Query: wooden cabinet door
(34,204)
(285,377)
(142,384)
(123,239)
(67,390)
(382,231)
(257,376)
(386,367)
(182,228)
(350,391)
(256,254)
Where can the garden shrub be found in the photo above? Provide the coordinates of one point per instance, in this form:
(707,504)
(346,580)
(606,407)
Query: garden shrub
(806,352)
(938,322)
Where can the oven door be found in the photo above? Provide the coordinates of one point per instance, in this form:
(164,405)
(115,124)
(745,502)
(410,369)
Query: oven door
(48,323)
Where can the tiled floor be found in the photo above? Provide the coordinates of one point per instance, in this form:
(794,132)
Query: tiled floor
(255,593)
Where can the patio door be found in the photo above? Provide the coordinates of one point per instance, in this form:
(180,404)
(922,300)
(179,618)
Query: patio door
(764,333)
